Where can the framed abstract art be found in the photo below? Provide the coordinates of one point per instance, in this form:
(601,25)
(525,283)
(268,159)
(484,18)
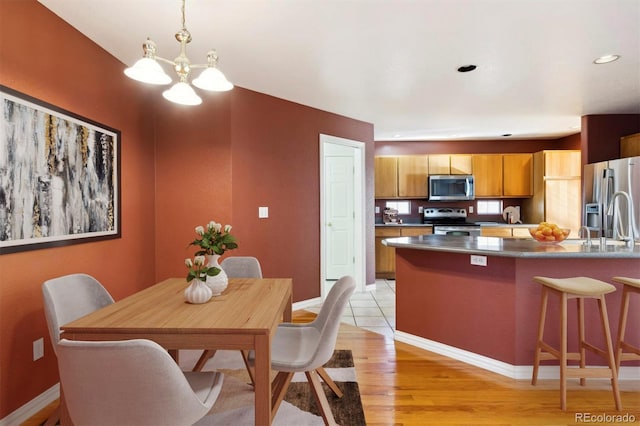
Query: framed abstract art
(59,176)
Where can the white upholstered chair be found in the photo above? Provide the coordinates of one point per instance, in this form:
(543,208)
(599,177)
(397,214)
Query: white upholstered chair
(241,267)
(68,298)
(307,347)
(132,382)
(235,267)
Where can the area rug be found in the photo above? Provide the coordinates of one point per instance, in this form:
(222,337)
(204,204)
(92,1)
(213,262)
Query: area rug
(235,403)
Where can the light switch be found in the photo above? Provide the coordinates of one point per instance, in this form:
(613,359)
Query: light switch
(263,212)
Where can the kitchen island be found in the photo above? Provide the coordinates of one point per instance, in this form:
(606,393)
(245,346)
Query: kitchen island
(486,313)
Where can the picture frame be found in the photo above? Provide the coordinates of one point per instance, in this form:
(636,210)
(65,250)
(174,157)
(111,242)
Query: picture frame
(59,176)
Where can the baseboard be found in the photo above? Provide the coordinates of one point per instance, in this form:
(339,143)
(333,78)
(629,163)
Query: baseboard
(32,407)
(518,372)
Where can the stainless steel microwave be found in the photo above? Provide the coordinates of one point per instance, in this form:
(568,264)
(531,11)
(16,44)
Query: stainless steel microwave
(451,187)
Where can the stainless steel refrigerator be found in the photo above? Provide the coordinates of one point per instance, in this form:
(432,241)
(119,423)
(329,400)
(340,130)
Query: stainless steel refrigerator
(601,181)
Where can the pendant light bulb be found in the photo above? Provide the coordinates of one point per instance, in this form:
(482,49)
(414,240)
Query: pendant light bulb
(182,93)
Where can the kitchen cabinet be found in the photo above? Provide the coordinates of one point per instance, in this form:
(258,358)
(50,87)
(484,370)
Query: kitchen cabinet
(487,172)
(439,164)
(630,146)
(386,256)
(493,231)
(557,193)
(505,231)
(412,176)
(561,163)
(386,177)
(445,164)
(503,175)
(461,164)
(517,175)
(402,176)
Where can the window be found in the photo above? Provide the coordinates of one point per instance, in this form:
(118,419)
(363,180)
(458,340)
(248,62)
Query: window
(489,207)
(403,207)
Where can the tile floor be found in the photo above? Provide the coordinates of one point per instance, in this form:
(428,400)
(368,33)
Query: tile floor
(373,310)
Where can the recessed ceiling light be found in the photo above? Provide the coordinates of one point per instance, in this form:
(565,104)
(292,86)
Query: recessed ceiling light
(606,59)
(467,68)
(397,135)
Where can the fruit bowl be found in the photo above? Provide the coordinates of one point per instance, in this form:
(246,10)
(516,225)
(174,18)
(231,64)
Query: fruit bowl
(548,233)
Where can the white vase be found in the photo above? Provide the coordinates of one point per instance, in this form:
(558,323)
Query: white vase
(217,283)
(197,292)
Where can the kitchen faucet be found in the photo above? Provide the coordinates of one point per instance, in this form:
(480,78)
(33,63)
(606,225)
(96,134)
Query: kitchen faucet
(588,232)
(628,239)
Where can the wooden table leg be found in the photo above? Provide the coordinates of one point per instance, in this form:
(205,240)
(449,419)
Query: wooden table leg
(262,384)
(287,315)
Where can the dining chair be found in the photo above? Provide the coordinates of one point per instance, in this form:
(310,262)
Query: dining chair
(307,347)
(132,382)
(67,298)
(241,267)
(235,267)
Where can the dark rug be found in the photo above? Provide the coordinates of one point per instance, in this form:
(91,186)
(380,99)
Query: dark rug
(234,406)
(346,410)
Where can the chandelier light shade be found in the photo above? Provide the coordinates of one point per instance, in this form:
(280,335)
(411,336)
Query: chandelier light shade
(148,70)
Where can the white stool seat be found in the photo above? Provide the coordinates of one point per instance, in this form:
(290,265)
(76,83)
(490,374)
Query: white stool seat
(581,286)
(633,282)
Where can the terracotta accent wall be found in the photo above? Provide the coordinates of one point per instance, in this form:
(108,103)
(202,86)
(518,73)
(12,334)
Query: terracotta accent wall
(276,161)
(42,56)
(601,135)
(193,176)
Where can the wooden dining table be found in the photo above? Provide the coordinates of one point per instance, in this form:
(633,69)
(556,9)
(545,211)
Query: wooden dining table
(245,316)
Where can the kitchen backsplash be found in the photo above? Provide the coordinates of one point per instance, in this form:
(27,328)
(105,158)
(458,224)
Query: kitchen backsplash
(416,216)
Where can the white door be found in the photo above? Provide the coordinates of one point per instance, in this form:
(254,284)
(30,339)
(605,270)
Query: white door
(340,216)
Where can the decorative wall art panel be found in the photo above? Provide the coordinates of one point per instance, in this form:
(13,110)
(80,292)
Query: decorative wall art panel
(59,176)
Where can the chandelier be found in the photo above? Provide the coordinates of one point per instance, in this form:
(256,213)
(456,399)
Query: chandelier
(148,70)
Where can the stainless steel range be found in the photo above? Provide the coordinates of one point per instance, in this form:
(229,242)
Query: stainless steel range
(450,221)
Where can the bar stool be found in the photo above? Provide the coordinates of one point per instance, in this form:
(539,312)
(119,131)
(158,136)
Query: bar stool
(579,288)
(631,285)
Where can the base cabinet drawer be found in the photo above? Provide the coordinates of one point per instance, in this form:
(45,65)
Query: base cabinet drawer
(386,256)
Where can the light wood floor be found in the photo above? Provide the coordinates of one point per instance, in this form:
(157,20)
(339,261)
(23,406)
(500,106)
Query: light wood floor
(403,385)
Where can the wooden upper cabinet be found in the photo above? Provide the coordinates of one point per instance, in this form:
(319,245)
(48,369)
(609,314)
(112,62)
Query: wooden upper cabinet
(487,171)
(439,164)
(454,164)
(412,175)
(386,177)
(517,175)
(562,163)
(630,145)
(461,164)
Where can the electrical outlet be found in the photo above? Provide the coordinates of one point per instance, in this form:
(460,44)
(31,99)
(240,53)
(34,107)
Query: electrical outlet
(420,209)
(377,209)
(470,209)
(263,212)
(38,349)
(478,260)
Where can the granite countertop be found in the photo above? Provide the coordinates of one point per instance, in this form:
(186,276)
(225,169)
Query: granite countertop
(514,247)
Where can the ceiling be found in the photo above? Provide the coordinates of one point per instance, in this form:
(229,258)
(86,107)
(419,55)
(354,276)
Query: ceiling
(394,63)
